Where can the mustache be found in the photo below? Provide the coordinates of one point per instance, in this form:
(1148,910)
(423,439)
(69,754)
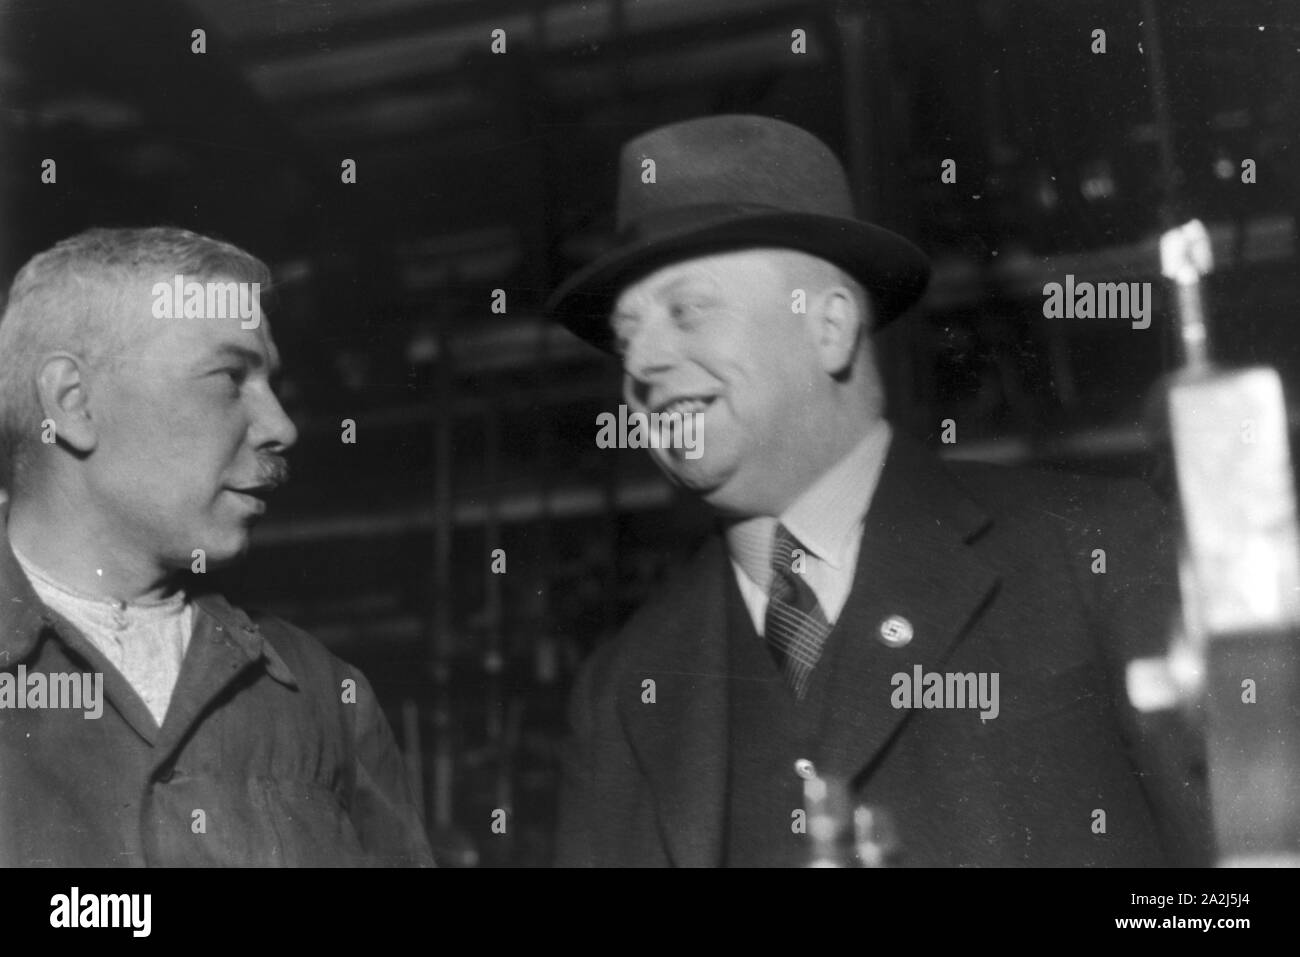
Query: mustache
(272,471)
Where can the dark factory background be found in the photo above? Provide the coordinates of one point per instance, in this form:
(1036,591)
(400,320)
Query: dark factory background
(478,171)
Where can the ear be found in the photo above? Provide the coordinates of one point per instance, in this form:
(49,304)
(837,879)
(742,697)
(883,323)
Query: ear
(65,399)
(838,325)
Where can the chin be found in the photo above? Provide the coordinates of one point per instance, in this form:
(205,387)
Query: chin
(227,556)
(692,475)
(726,492)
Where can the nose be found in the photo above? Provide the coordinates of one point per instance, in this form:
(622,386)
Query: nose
(273,430)
(649,354)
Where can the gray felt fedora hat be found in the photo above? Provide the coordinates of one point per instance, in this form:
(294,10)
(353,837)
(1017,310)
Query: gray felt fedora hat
(730,182)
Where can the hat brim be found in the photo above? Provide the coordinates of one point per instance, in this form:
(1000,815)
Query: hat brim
(891,268)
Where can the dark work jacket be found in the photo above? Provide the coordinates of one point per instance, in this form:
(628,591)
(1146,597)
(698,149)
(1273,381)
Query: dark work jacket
(996,571)
(260,761)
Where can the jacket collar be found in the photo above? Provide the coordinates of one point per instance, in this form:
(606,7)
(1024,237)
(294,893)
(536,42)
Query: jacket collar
(245,635)
(22,615)
(914,562)
(225,644)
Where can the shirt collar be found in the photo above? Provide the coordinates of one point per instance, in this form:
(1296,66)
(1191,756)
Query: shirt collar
(825,517)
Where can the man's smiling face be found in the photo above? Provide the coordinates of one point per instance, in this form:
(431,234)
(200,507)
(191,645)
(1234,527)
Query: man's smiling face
(717,335)
(190,436)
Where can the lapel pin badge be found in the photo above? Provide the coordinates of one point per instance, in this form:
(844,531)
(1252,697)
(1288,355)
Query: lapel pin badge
(896,631)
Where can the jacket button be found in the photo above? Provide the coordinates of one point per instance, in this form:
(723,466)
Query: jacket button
(896,631)
(805,769)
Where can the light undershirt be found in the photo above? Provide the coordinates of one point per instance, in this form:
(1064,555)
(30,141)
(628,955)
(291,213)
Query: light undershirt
(145,641)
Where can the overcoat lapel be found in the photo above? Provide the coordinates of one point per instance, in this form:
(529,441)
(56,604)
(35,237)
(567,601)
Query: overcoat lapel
(915,566)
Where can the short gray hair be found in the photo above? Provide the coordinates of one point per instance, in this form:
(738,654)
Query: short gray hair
(65,299)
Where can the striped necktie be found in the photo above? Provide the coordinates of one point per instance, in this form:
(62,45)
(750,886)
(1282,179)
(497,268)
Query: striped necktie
(795,627)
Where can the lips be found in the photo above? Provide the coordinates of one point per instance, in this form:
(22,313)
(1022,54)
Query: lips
(256,491)
(255,498)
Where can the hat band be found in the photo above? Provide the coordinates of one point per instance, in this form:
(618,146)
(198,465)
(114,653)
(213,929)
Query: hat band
(678,218)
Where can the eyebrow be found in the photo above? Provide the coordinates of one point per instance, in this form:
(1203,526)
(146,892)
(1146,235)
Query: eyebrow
(666,289)
(252,357)
(673,284)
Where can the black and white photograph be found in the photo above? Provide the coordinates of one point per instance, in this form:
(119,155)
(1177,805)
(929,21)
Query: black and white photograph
(557,434)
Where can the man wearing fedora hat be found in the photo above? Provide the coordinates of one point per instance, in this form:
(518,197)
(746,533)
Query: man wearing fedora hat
(857,587)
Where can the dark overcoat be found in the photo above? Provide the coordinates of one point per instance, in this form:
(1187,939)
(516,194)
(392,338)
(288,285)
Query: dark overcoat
(1050,580)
